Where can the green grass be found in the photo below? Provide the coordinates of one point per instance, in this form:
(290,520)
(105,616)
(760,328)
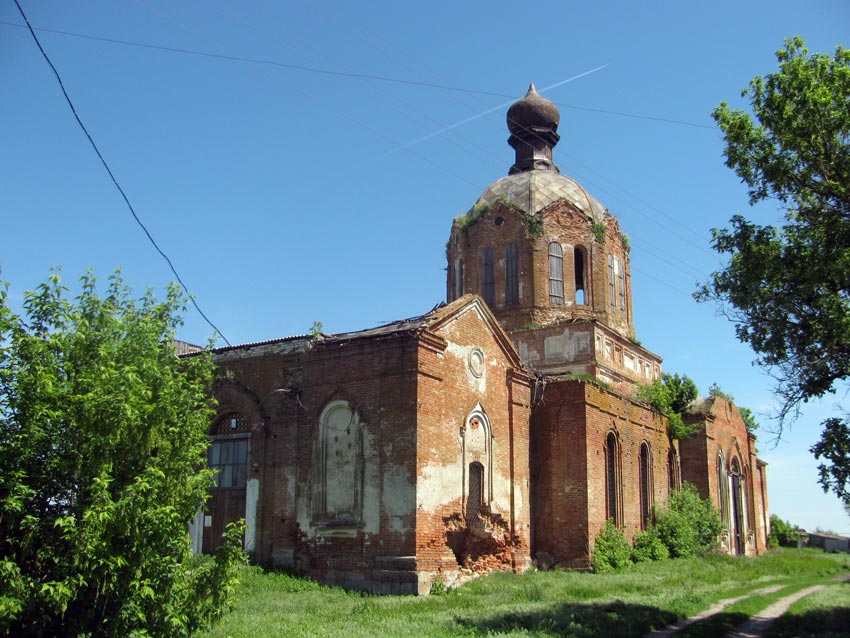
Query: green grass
(556,603)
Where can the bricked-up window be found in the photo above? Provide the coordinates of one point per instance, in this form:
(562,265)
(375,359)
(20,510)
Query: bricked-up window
(621,287)
(450,280)
(556,274)
(511,275)
(645,484)
(459,274)
(488,277)
(230,458)
(612,478)
(612,284)
(476,488)
(338,491)
(580,259)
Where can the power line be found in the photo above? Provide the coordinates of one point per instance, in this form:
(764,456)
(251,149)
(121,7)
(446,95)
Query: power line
(332,72)
(112,176)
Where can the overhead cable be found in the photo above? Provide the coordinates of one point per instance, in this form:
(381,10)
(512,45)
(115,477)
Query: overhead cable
(112,176)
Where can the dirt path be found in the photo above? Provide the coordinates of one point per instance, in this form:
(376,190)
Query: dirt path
(755,626)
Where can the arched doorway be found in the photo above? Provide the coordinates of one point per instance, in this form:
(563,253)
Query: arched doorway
(228,455)
(738,520)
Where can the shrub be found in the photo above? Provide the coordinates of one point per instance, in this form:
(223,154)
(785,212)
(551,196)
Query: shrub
(690,526)
(612,551)
(648,546)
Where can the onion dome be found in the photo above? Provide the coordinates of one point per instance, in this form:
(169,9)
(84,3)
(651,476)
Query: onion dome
(533,124)
(533,112)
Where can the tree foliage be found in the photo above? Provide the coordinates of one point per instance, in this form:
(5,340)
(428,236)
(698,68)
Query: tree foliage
(102,448)
(671,395)
(782,533)
(787,289)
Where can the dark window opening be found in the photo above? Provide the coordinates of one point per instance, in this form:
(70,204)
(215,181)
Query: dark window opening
(459,273)
(612,491)
(621,277)
(645,485)
(450,293)
(488,277)
(579,259)
(673,473)
(499,221)
(511,275)
(556,274)
(475,498)
(612,285)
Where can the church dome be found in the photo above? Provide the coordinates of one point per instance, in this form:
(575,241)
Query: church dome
(532,191)
(533,112)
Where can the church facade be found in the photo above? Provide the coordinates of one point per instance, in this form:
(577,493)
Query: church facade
(496,430)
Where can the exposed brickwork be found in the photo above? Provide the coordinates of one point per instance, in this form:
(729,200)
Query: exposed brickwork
(724,435)
(569,431)
(413,392)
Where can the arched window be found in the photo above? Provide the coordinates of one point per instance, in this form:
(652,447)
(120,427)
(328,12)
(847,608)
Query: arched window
(488,277)
(511,275)
(450,279)
(477,450)
(459,275)
(674,476)
(722,501)
(580,259)
(612,478)
(612,284)
(338,495)
(556,274)
(646,487)
(621,286)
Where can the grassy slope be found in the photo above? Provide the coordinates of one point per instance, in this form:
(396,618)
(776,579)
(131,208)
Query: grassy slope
(534,604)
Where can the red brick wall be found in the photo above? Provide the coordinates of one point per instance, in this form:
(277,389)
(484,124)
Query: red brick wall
(569,431)
(724,431)
(447,393)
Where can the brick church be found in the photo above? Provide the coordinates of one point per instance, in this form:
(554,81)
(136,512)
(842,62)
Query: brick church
(496,430)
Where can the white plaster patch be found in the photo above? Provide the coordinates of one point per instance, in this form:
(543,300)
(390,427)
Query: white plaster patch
(439,484)
(527,354)
(464,353)
(555,347)
(196,532)
(371,485)
(399,494)
(252,495)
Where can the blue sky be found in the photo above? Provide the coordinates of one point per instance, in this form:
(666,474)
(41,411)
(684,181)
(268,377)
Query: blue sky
(286,196)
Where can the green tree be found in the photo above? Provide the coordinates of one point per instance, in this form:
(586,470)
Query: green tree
(782,533)
(671,395)
(102,448)
(787,289)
